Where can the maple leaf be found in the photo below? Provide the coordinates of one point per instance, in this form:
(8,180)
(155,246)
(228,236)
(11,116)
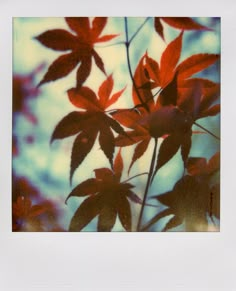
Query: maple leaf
(139,135)
(183,23)
(170,74)
(90,122)
(197,97)
(198,166)
(80,43)
(108,198)
(188,202)
(193,196)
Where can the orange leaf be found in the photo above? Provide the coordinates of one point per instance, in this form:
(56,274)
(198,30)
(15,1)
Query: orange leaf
(185,23)
(118,165)
(169,60)
(195,64)
(98,25)
(84,98)
(104,91)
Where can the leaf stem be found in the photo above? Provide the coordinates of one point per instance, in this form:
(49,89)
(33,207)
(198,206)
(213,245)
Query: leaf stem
(109,45)
(147,185)
(141,26)
(127,44)
(135,177)
(212,134)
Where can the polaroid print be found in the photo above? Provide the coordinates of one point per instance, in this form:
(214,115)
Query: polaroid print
(116,124)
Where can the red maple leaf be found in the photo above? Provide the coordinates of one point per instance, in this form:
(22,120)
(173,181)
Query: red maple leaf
(80,43)
(188,202)
(89,122)
(183,23)
(193,196)
(169,73)
(108,198)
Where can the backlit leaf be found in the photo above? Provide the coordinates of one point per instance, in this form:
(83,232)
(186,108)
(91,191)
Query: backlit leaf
(107,218)
(140,149)
(105,90)
(98,25)
(61,67)
(195,64)
(58,39)
(158,27)
(80,25)
(168,149)
(185,23)
(88,210)
(107,142)
(118,165)
(124,213)
(88,187)
(81,147)
(69,125)
(169,60)
(83,71)
(84,98)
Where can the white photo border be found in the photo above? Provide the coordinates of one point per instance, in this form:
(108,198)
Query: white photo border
(120,261)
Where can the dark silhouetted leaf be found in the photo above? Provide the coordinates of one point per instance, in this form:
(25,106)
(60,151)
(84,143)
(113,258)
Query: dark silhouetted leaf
(158,27)
(169,94)
(173,222)
(189,202)
(107,218)
(83,71)
(214,163)
(186,143)
(58,39)
(98,61)
(60,67)
(88,210)
(104,174)
(81,46)
(124,213)
(168,149)
(185,23)
(81,147)
(69,125)
(107,142)
(212,111)
(88,187)
(118,165)
(196,166)
(140,149)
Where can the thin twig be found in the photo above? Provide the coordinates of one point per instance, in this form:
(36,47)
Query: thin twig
(147,185)
(141,26)
(212,134)
(135,177)
(109,45)
(127,43)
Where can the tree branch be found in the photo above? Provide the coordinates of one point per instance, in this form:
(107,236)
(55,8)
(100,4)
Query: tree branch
(147,185)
